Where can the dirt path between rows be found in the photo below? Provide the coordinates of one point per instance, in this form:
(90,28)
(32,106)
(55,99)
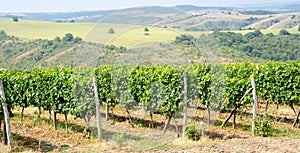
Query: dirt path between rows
(248,145)
(253,145)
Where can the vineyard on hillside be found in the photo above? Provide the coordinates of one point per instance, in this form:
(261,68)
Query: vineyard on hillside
(157,89)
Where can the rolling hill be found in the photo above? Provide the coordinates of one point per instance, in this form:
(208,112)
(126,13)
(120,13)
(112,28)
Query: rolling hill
(31,29)
(121,36)
(203,19)
(158,45)
(124,34)
(184,17)
(277,21)
(23,53)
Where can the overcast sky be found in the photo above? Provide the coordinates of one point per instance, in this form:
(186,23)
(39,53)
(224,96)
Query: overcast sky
(79,5)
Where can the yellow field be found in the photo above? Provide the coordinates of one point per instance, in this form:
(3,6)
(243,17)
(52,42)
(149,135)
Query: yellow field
(99,32)
(136,35)
(31,29)
(125,35)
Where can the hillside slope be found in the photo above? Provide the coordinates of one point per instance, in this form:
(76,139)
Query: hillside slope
(277,21)
(122,35)
(214,47)
(187,17)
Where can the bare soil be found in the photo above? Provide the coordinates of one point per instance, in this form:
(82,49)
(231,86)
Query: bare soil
(256,144)
(33,135)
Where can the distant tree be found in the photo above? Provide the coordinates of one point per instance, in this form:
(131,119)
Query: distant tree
(284,32)
(146,30)
(15,19)
(77,40)
(254,34)
(2,32)
(110,47)
(72,21)
(111,31)
(68,37)
(57,39)
(183,38)
(186,39)
(122,49)
(270,34)
(3,35)
(298,27)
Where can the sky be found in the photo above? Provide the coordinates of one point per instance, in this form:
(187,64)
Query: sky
(8,6)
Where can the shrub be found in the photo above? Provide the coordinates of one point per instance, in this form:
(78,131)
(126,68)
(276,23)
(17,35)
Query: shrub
(15,19)
(111,31)
(284,32)
(192,133)
(263,126)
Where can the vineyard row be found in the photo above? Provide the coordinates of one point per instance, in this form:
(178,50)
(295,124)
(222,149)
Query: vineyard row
(158,89)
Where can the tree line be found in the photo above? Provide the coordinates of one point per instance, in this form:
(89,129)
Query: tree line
(253,45)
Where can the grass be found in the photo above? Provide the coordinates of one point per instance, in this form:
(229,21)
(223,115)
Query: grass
(38,135)
(285,131)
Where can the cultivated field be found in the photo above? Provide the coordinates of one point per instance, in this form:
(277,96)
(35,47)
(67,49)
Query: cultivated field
(31,29)
(125,35)
(136,35)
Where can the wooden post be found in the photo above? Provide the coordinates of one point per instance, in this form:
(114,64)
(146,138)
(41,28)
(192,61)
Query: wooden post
(185,100)
(208,113)
(106,111)
(98,115)
(6,117)
(54,120)
(254,105)
(66,122)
